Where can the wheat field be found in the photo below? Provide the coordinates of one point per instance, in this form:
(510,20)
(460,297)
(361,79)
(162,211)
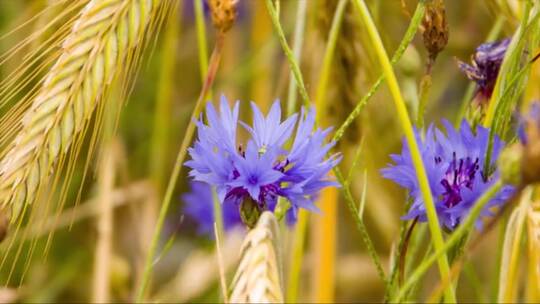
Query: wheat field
(269,151)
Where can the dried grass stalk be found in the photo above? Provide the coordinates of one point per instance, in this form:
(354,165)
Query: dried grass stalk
(258,277)
(533,221)
(102,44)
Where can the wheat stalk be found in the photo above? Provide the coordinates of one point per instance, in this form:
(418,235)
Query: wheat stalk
(102,44)
(258,278)
(533,221)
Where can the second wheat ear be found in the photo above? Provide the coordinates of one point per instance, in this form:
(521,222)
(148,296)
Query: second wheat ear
(258,278)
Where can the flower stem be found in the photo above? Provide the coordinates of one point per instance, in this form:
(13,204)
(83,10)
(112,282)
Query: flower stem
(324,225)
(407,38)
(301,226)
(149,263)
(288,53)
(297,51)
(202,47)
(456,236)
(360,224)
(322,86)
(433,222)
(293,280)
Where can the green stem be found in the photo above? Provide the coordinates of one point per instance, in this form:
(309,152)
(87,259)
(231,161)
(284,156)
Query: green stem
(288,53)
(149,263)
(218,215)
(297,257)
(162,116)
(425,87)
(433,221)
(328,58)
(505,66)
(202,46)
(408,37)
(456,236)
(360,224)
(297,51)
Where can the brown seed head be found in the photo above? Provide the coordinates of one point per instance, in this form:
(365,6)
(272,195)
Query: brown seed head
(435,33)
(223,13)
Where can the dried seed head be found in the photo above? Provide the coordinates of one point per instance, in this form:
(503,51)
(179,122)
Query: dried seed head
(435,33)
(223,13)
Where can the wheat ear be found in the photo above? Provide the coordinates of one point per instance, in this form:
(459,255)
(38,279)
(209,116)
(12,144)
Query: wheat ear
(258,278)
(100,46)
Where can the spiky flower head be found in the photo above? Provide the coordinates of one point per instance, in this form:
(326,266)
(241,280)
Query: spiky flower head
(199,207)
(485,65)
(255,176)
(454,165)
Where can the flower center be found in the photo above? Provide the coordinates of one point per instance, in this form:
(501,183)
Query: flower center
(253,179)
(460,173)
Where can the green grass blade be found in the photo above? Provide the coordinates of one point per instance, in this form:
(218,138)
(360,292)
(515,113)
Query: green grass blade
(433,221)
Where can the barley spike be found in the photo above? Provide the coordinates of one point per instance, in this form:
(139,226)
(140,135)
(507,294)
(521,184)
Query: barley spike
(98,48)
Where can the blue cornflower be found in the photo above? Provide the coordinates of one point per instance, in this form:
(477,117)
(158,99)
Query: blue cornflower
(454,166)
(198,205)
(265,169)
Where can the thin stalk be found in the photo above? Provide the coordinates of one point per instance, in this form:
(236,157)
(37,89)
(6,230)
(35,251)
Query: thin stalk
(162,114)
(507,62)
(360,225)
(105,224)
(274,16)
(498,258)
(218,216)
(202,45)
(324,245)
(328,58)
(433,221)
(149,264)
(297,52)
(407,38)
(297,255)
(425,87)
(456,236)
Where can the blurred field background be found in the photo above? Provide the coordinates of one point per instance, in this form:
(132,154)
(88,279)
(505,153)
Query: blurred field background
(53,258)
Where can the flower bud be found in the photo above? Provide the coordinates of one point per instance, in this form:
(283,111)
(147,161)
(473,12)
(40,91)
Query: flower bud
(250,212)
(510,164)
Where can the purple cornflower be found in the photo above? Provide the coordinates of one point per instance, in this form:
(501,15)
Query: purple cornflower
(198,205)
(264,170)
(485,65)
(454,166)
